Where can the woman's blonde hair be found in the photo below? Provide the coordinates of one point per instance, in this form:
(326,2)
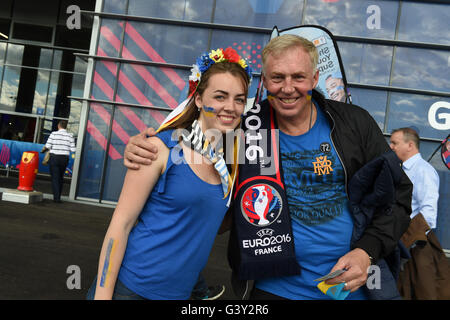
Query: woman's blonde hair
(278,45)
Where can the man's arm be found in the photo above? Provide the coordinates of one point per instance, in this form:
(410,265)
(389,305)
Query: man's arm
(385,230)
(49,143)
(426,195)
(139,150)
(377,241)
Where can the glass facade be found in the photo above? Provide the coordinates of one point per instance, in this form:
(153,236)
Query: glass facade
(396,68)
(396,56)
(39,69)
(357,18)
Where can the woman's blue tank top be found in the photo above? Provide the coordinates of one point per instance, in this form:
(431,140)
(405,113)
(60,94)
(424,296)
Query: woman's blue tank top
(170,244)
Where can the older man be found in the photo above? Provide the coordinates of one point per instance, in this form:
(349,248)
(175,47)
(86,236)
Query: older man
(426,276)
(425,180)
(322,144)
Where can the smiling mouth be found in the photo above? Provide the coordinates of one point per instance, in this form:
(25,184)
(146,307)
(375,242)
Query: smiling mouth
(288,100)
(226,119)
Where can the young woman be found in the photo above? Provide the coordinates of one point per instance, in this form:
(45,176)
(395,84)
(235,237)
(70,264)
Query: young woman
(168,214)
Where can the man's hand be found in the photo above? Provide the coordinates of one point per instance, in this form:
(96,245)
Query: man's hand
(139,150)
(357,263)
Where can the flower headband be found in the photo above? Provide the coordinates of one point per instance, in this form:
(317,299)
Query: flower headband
(206,60)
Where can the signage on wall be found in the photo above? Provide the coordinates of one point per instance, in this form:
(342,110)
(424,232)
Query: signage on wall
(439,111)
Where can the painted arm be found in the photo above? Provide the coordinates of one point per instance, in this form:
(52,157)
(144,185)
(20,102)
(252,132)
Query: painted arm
(136,187)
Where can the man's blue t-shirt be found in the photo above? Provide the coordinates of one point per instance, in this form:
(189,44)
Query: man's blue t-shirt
(321,222)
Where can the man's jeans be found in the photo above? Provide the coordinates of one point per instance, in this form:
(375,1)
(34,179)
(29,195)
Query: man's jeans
(57,165)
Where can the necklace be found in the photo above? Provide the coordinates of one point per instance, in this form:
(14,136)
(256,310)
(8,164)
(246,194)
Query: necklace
(310,116)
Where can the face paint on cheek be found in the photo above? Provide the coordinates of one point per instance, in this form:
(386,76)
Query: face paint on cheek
(270,96)
(309,95)
(209,111)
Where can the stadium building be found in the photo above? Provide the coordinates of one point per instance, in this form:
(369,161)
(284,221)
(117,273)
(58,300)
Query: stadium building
(115,67)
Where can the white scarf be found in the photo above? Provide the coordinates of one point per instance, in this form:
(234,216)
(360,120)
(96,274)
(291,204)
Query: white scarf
(197,141)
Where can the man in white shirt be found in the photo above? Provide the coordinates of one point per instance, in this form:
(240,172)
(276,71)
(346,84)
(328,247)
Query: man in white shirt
(60,143)
(425,180)
(426,275)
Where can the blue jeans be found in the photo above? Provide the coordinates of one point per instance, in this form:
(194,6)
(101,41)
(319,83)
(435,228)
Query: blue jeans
(57,165)
(121,292)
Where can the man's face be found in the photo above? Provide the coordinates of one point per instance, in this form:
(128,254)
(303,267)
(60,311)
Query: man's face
(288,77)
(399,146)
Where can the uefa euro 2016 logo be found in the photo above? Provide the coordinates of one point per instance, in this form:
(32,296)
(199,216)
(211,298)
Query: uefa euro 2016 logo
(261,205)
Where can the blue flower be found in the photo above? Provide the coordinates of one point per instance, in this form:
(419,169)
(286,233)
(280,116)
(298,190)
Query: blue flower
(204,62)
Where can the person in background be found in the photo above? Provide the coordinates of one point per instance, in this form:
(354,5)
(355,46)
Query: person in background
(405,143)
(426,274)
(60,143)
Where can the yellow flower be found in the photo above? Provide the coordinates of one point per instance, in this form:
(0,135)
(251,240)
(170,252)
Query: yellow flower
(217,55)
(243,63)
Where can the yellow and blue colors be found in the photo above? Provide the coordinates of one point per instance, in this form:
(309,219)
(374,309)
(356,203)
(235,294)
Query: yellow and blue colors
(335,291)
(107,264)
(209,111)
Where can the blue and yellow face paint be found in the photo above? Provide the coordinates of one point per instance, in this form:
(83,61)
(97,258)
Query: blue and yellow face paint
(209,111)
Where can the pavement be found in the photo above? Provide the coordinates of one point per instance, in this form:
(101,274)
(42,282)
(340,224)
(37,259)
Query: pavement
(45,246)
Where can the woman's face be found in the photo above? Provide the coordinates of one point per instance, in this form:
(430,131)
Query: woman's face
(222,103)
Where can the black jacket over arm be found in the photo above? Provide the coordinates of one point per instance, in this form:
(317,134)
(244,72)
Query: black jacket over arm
(358,140)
